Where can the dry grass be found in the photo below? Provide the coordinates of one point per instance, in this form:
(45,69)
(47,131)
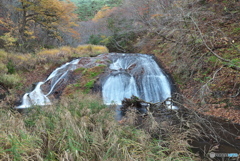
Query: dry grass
(3,55)
(24,62)
(173,140)
(79,128)
(55,55)
(3,62)
(3,68)
(90,50)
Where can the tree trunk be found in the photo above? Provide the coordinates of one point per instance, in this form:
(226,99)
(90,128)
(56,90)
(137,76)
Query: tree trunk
(23,24)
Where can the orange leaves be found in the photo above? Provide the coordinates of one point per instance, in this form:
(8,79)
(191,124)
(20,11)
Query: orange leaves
(60,14)
(6,23)
(104,12)
(53,15)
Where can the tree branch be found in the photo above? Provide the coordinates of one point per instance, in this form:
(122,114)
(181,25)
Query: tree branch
(215,54)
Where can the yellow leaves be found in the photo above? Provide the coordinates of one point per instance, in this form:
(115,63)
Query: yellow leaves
(8,39)
(6,23)
(60,14)
(29,32)
(104,12)
(73,24)
(53,15)
(2,22)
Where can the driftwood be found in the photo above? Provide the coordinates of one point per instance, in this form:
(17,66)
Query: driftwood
(135,102)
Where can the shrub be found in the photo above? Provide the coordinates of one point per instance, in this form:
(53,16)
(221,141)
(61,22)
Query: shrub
(21,62)
(10,67)
(3,55)
(3,61)
(49,53)
(3,68)
(9,40)
(11,80)
(90,50)
(56,56)
(66,50)
(95,40)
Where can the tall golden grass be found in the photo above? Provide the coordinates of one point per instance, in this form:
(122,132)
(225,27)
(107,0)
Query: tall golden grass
(78,128)
(90,50)
(49,56)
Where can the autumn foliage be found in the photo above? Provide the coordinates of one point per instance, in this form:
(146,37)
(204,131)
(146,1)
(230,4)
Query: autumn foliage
(103,13)
(38,20)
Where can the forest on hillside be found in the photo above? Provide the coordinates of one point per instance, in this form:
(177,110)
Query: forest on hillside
(196,41)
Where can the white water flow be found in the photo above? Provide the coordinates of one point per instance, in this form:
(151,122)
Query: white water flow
(138,75)
(118,87)
(130,75)
(37,97)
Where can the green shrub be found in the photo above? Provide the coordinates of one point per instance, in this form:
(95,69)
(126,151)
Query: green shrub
(11,80)
(95,40)
(10,67)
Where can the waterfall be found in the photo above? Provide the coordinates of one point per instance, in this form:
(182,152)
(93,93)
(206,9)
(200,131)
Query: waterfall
(117,87)
(128,75)
(138,75)
(37,96)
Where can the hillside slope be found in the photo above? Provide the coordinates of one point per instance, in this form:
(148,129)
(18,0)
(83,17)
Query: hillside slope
(205,60)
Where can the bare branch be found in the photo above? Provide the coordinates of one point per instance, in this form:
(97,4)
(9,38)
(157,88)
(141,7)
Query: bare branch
(215,54)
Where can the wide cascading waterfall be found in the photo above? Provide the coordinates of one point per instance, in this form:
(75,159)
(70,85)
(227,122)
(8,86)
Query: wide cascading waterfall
(128,75)
(37,96)
(138,75)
